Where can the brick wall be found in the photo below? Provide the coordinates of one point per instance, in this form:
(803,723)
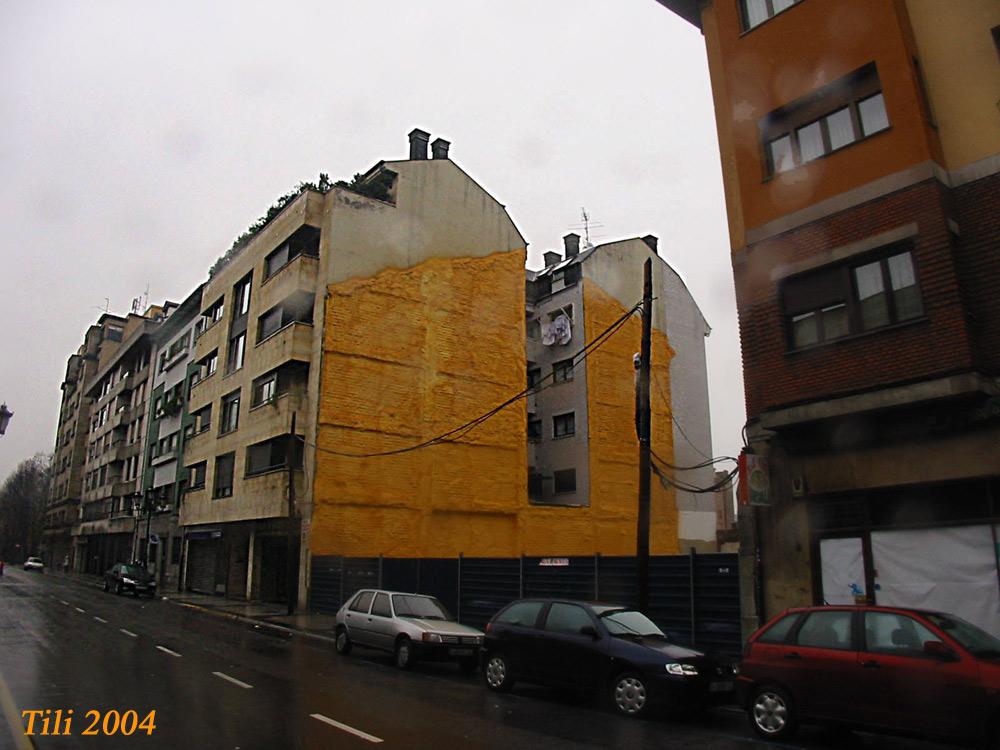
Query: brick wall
(934,345)
(977,211)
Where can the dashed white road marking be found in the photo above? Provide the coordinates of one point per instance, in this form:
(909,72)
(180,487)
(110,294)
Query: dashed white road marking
(80,610)
(63,601)
(166,650)
(233,680)
(100,619)
(128,633)
(346,728)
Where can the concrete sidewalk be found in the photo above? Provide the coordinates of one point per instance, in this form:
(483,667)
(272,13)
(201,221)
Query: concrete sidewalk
(261,614)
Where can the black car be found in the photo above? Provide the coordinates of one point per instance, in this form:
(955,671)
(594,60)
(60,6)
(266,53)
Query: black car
(122,577)
(601,647)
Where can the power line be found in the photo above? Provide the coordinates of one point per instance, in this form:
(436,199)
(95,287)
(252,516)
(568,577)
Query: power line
(701,465)
(668,482)
(455,434)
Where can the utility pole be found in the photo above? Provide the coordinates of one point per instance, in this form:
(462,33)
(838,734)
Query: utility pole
(291,582)
(642,398)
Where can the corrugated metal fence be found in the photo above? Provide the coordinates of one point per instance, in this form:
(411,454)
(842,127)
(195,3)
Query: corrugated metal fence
(693,598)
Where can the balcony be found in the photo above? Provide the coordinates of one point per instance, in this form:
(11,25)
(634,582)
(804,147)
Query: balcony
(298,275)
(122,488)
(293,342)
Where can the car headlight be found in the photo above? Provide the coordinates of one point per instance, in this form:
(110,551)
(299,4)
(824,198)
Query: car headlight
(684,670)
(129,581)
(736,669)
(431,637)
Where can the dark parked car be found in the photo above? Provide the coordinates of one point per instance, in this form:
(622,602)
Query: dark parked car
(884,669)
(599,647)
(122,577)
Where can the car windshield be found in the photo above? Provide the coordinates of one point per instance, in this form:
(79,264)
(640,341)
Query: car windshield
(629,622)
(424,607)
(132,570)
(34,560)
(978,642)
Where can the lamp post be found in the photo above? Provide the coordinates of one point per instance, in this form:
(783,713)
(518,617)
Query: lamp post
(5,415)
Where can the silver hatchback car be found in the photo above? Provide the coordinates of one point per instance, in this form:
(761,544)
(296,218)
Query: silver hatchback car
(410,626)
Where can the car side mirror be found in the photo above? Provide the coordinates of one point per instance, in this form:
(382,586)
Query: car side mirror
(591,631)
(938,650)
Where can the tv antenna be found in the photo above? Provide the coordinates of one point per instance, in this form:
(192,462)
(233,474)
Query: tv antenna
(586,225)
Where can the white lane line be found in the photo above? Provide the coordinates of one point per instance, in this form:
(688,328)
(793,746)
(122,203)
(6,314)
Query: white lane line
(100,619)
(128,633)
(166,650)
(345,728)
(63,601)
(80,610)
(227,678)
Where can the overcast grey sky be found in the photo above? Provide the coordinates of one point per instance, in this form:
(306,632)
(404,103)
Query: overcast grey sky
(140,138)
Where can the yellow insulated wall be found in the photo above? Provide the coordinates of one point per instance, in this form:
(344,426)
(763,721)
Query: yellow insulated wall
(614,452)
(407,355)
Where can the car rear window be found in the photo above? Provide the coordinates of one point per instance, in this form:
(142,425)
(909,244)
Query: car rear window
(778,632)
(826,630)
(362,601)
(521,613)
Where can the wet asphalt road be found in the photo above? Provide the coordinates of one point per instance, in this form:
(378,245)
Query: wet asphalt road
(217,683)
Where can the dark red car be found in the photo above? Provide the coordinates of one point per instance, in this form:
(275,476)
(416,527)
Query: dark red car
(883,669)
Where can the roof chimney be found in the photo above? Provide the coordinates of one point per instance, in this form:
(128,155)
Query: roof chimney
(418,144)
(571,242)
(651,240)
(551,258)
(439,149)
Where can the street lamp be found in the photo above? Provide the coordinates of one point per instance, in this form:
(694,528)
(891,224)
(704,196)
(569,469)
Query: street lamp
(5,415)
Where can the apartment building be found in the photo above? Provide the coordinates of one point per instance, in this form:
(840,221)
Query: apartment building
(581,426)
(69,457)
(860,144)
(159,540)
(116,445)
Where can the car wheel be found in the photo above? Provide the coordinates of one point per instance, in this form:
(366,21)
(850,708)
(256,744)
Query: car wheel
(404,653)
(630,694)
(468,664)
(343,642)
(118,588)
(772,714)
(498,674)
(107,586)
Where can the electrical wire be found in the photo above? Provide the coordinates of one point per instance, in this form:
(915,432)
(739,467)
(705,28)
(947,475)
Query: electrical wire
(702,465)
(457,433)
(668,482)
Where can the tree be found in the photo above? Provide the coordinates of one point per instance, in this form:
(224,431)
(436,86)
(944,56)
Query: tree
(23,498)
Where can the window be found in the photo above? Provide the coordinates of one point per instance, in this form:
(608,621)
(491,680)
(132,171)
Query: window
(524,614)
(826,120)
(230,412)
(533,329)
(362,601)
(295,309)
(567,618)
(534,429)
(534,377)
(381,607)
(237,350)
(755,12)
(872,114)
(888,633)
(224,466)
(834,302)
(826,630)
(241,296)
(264,389)
(210,317)
(208,365)
(272,455)
(197,480)
(562,371)
(563,425)
(305,241)
(565,480)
